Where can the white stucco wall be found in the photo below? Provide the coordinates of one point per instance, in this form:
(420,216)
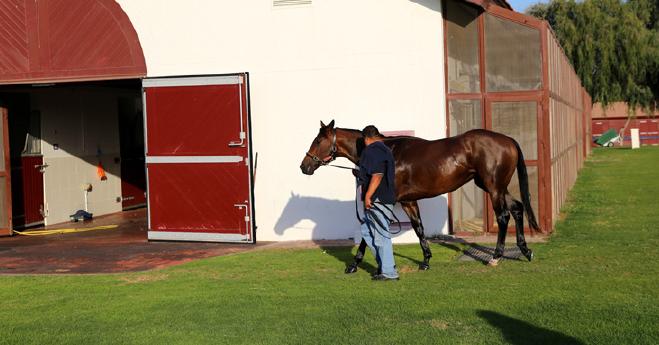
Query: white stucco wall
(79,127)
(359,62)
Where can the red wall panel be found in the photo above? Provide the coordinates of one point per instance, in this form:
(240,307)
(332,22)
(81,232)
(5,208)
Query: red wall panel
(193,120)
(198,197)
(32,189)
(133,182)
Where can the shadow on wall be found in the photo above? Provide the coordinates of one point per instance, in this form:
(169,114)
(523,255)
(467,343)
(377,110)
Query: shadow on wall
(519,332)
(435,5)
(333,219)
(336,219)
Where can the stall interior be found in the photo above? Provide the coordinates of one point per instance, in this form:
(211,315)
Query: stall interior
(73,147)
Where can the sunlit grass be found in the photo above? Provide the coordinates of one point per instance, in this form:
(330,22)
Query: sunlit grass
(594,282)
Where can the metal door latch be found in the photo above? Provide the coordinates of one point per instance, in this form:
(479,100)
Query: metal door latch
(245,206)
(239,143)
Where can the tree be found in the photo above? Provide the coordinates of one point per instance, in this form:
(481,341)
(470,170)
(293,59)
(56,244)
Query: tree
(613,46)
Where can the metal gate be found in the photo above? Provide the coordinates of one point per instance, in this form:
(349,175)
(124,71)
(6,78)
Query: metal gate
(198,158)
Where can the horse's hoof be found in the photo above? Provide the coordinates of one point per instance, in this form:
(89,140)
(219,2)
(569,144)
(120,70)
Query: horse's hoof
(493,262)
(529,255)
(351,269)
(424,267)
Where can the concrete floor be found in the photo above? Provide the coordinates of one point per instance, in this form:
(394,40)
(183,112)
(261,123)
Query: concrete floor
(123,249)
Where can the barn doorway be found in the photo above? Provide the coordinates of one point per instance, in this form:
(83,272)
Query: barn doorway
(74,146)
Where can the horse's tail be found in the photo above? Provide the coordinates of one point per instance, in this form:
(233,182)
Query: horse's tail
(524,188)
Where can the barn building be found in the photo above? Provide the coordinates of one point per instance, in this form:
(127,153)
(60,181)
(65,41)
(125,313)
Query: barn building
(617,116)
(203,110)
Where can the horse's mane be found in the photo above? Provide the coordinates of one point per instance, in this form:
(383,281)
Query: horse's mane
(356,131)
(400,137)
(350,130)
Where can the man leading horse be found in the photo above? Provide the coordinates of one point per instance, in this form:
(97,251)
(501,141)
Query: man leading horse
(428,168)
(376,177)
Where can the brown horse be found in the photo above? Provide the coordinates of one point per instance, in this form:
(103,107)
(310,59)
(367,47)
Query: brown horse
(425,169)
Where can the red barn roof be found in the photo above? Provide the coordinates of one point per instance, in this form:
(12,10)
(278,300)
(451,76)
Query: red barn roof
(60,40)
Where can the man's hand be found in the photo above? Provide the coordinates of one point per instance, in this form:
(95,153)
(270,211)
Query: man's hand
(375,182)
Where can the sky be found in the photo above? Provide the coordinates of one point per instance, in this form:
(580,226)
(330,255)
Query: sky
(521,5)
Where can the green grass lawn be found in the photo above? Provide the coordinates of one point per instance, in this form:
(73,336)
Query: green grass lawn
(595,282)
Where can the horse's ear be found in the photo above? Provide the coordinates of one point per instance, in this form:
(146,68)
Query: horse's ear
(331,124)
(322,125)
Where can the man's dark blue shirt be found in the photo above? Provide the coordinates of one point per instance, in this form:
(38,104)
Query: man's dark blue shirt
(378,159)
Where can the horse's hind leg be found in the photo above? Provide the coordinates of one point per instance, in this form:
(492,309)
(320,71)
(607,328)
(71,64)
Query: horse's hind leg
(352,268)
(411,208)
(517,211)
(503,216)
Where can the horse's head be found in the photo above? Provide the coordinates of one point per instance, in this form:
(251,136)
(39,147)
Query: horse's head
(322,150)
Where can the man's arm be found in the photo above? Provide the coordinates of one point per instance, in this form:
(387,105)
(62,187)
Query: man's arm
(375,182)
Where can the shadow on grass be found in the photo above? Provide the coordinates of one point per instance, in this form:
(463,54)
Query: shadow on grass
(345,255)
(519,332)
(416,261)
(476,251)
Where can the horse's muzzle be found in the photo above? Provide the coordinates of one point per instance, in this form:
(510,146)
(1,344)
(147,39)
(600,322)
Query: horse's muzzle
(307,170)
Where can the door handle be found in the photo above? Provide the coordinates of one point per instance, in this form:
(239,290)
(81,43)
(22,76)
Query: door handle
(41,167)
(242,137)
(239,143)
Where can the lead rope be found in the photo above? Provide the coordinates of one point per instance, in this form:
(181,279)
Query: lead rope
(390,220)
(363,220)
(393,219)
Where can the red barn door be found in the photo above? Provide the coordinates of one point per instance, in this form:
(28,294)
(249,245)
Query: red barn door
(198,159)
(5,176)
(32,188)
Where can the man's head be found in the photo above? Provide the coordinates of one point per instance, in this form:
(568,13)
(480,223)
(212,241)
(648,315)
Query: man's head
(370,134)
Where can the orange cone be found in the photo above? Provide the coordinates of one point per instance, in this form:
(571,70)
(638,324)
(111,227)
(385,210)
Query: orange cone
(101,172)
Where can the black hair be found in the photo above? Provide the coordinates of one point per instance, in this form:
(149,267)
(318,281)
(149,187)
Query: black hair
(370,131)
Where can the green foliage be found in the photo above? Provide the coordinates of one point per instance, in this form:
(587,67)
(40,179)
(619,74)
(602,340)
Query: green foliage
(613,46)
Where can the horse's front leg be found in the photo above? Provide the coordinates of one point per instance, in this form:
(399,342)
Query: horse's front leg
(411,208)
(352,268)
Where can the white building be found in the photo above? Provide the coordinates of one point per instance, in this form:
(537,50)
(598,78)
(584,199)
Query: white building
(73,82)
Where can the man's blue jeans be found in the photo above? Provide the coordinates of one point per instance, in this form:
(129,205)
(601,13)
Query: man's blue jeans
(377,236)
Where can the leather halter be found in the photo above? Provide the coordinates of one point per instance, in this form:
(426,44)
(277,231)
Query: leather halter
(330,156)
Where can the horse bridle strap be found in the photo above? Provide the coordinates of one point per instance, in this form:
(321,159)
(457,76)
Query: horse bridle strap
(331,156)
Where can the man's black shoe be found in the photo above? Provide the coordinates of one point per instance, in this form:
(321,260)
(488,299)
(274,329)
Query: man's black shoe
(382,277)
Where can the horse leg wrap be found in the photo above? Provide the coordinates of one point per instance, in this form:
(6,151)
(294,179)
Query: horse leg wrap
(498,254)
(528,253)
(352,268)
(425,265)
